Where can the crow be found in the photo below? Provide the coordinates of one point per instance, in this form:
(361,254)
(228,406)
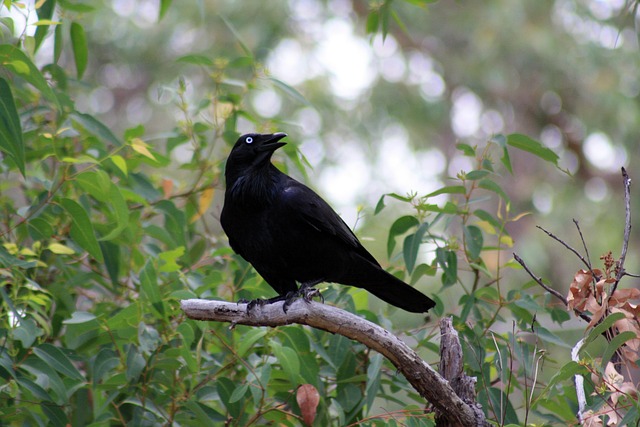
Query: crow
(290,234)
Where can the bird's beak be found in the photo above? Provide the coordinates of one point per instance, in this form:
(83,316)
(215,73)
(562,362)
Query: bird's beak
(272,144)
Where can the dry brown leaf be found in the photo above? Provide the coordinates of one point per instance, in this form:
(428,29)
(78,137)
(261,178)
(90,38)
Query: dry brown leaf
(621,296)
(167,187)
(590,419)
(308,398)
(579,290)
(618,387)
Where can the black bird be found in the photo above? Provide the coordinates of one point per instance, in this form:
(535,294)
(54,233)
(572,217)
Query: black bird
(290,234)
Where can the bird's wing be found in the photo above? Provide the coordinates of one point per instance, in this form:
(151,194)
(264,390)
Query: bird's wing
(304,203)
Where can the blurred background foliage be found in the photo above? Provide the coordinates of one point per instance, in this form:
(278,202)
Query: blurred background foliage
(122,187)
(383,114)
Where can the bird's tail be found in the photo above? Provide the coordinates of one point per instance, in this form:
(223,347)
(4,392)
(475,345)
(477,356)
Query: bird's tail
(389,288)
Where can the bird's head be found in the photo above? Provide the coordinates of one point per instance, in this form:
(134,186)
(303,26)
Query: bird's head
(254,150)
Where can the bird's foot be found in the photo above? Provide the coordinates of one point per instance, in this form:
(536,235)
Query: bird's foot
(306,292)
(259,302)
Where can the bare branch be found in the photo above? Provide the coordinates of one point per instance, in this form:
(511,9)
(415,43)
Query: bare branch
(579,381)
(566,245)
(452,368)
(584,245)
(627,229)
(549,289)
(539,280)
(422,377)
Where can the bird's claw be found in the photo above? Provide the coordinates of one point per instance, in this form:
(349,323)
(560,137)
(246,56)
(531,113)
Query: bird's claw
(307,294)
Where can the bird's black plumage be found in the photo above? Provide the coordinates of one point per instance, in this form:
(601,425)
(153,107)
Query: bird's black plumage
(290,234)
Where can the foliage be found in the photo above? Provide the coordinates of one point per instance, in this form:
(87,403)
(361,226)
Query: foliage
(103,233)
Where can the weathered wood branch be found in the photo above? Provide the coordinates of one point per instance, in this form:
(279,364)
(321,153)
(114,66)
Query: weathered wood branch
(452,410)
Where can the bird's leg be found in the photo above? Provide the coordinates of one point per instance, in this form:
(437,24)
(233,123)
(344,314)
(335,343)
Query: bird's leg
(306,292)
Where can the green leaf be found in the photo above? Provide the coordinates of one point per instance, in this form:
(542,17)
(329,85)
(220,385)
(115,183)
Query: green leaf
(505,159)
(617,342)
(58,43)
(55,358)
(150,289)
(204,415)
(373,22)
(175,222)
(288,90)
(39,229)
(400,226)
(164,7)
(288,360)
(96,128)
(385,13)
(486,216)
(473,241)
(55,414)
(605,324)
(550,337)
(566,372)
(34,389)
(170,260)
(135,363)
(466,149)
(476,175)
(120,163)
(239,393)
(196,60)
(487,184)
(236,34)
(453,189)
(79,317)
(15,60)
(298,340)
(149,338)
(105,362)
(27,331)
(448,261)
(96,184)
(111,253)
(532,146)
(225,388)
(45,12)
(81,229)
(448,208)
(422,270)
(411,246)
(120,212)
(249,339)
(374,383)
(11,141)
(8,260)
(79,47)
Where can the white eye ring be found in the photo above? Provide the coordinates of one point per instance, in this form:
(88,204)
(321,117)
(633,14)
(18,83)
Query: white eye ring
(248,140)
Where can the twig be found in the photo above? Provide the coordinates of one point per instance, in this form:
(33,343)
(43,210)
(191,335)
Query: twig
(549,289)
(627,229)
(584,245)
(419,373)
(566,245)
(539,280)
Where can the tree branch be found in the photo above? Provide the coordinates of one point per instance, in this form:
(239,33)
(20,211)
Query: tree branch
(430,385)
(627,229)
(552,291)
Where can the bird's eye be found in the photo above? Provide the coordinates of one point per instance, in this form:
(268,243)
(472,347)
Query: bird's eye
(249,140)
